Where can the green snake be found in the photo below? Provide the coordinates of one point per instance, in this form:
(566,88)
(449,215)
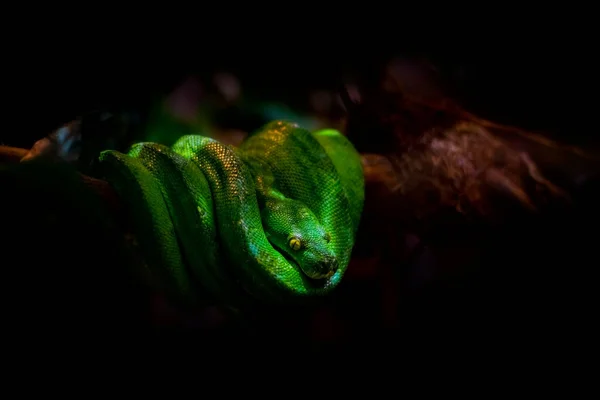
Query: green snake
(275,217)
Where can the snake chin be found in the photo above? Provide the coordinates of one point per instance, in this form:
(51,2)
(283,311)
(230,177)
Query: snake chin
(317,275)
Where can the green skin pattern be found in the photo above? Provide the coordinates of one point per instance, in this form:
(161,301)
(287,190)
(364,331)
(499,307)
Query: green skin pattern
(275,218)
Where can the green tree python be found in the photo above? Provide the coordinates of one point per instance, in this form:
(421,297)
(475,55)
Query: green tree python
(275,217)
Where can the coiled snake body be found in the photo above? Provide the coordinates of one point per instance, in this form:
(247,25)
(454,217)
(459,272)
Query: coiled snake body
(276,217)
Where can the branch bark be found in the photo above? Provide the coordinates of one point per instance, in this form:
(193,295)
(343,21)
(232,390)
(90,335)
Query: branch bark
(11,155)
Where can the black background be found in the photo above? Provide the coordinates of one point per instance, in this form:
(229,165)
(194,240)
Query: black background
(538,78)
(542,84)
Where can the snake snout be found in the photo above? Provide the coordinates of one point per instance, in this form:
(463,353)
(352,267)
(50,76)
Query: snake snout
(326,268)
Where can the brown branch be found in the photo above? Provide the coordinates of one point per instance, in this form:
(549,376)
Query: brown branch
(451,108)
(12,155)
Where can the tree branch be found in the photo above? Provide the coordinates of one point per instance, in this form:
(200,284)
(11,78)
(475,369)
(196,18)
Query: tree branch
(11,155)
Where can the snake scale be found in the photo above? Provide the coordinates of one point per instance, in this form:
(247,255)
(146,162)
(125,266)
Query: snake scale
(275,217)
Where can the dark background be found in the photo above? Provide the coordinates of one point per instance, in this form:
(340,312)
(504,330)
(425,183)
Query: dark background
(543,85)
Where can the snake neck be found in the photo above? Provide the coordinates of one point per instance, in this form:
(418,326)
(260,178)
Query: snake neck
(266,195)
(264,184)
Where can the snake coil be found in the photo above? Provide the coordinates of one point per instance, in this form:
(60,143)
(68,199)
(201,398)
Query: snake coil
(275,217)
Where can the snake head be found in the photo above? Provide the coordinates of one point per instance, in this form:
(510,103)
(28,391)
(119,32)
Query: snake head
(296,232)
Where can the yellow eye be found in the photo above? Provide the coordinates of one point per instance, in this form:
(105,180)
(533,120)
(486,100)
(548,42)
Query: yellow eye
(295,244)
(327,237)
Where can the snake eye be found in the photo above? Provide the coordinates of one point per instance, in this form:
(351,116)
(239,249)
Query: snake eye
(327,237)
(295,244)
